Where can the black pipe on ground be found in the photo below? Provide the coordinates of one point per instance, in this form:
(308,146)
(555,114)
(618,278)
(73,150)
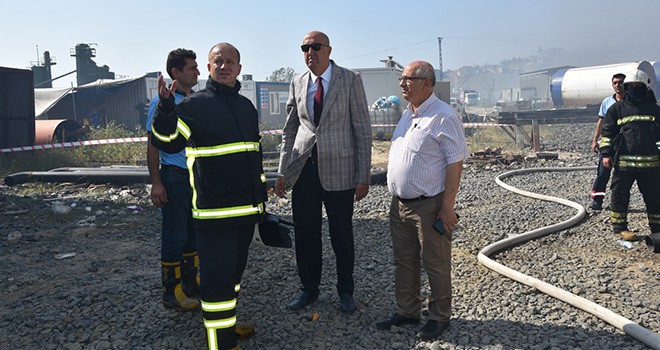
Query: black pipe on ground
(95,177)
(118,176)
(653,242)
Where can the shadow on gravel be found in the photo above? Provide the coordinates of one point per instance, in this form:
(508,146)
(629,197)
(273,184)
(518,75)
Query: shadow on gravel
(504,334)
(107,295)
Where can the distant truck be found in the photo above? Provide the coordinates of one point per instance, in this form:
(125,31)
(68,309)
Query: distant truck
(472,97)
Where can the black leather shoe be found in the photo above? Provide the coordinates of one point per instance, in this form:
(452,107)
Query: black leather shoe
(347,304)
(432,329)
(596,205)
(395,320)
(303,299)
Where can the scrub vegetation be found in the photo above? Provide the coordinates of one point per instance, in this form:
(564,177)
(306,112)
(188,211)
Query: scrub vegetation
(83,156)
(134,153)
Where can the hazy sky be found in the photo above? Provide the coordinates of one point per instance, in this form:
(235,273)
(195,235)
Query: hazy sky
(134,37)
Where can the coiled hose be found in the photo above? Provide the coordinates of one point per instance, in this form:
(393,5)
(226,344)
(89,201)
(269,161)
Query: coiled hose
(631,328)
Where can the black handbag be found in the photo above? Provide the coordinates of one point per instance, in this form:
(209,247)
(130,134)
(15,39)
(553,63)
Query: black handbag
(273,231)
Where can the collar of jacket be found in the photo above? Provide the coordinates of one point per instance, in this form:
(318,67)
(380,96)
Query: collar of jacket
(221,89)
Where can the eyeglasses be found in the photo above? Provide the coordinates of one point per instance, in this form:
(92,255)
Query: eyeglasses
(617,82)
(315,47)
(408,80)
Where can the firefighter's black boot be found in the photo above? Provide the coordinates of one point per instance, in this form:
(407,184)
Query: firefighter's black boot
(173,295)
(190,274)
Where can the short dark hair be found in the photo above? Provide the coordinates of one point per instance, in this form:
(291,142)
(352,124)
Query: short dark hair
(619,76)
(177,59)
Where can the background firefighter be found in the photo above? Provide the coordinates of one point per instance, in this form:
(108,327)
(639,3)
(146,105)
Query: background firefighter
(631,144)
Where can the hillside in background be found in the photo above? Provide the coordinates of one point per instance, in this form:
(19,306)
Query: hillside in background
(490,80)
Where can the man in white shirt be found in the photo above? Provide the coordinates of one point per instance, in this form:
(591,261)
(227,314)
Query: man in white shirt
(423,175)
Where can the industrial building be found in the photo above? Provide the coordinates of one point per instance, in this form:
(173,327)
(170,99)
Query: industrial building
(269,98)
(536,85)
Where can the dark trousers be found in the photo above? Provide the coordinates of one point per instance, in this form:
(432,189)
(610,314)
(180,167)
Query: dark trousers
(648,183)
(308,197)
(600,183)
(223,256)
(177,234)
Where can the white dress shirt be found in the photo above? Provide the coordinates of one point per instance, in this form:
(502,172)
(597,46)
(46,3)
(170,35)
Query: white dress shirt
(312,86)
(423,144)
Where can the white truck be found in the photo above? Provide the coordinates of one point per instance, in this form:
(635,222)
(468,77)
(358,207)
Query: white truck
(472,98)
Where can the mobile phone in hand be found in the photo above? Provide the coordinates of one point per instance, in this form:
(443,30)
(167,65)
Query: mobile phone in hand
(439,227)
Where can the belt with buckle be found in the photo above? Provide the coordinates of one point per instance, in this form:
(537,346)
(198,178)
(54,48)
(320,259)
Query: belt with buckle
(408,200)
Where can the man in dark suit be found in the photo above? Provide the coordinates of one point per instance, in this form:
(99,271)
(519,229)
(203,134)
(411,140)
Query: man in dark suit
(326,157)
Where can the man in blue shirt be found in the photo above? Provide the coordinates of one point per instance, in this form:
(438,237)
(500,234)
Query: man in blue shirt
(603,174)
(170,191)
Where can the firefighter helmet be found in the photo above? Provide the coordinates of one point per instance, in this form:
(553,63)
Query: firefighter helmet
(272,231)
(637,76)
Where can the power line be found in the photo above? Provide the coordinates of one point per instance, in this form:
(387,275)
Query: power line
(387,50)
(365,54)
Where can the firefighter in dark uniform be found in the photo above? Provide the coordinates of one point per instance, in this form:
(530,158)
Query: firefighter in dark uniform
(631,144)
(219,130)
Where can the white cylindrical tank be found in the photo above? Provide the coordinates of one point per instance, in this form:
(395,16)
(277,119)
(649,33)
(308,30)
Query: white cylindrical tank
(656,67)
(590,85)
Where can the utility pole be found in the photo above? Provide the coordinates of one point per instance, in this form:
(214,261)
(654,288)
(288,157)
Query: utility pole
(440,65)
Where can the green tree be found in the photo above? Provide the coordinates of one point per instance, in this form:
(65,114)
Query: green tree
(282,75)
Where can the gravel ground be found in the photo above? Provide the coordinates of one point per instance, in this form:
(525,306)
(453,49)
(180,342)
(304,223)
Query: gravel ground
(90,279)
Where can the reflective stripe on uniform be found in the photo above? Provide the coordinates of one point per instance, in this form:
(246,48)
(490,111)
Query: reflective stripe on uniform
(190,161)
(639,158)
(639,165)
(165,138)
(212,339)
(641,162)
(221,323)
(230,212)
(635,118)
(181,127)
(604,142)
(212,325)
(221,150)
(218,306)
(653,218)
(237,288)
(619,218)
(263,177)
(657,144)
(213,151)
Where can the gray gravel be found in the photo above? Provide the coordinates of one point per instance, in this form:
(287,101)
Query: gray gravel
(107,296)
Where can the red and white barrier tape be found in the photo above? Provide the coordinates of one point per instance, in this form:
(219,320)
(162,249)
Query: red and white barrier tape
(465,125)
(73,144)
(469,125)
(94,143)
(144,139)
(272,132)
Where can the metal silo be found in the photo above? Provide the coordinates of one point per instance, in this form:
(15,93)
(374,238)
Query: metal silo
(590,85)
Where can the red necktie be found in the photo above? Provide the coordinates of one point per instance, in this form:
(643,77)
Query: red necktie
(318,109)
(318,101)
